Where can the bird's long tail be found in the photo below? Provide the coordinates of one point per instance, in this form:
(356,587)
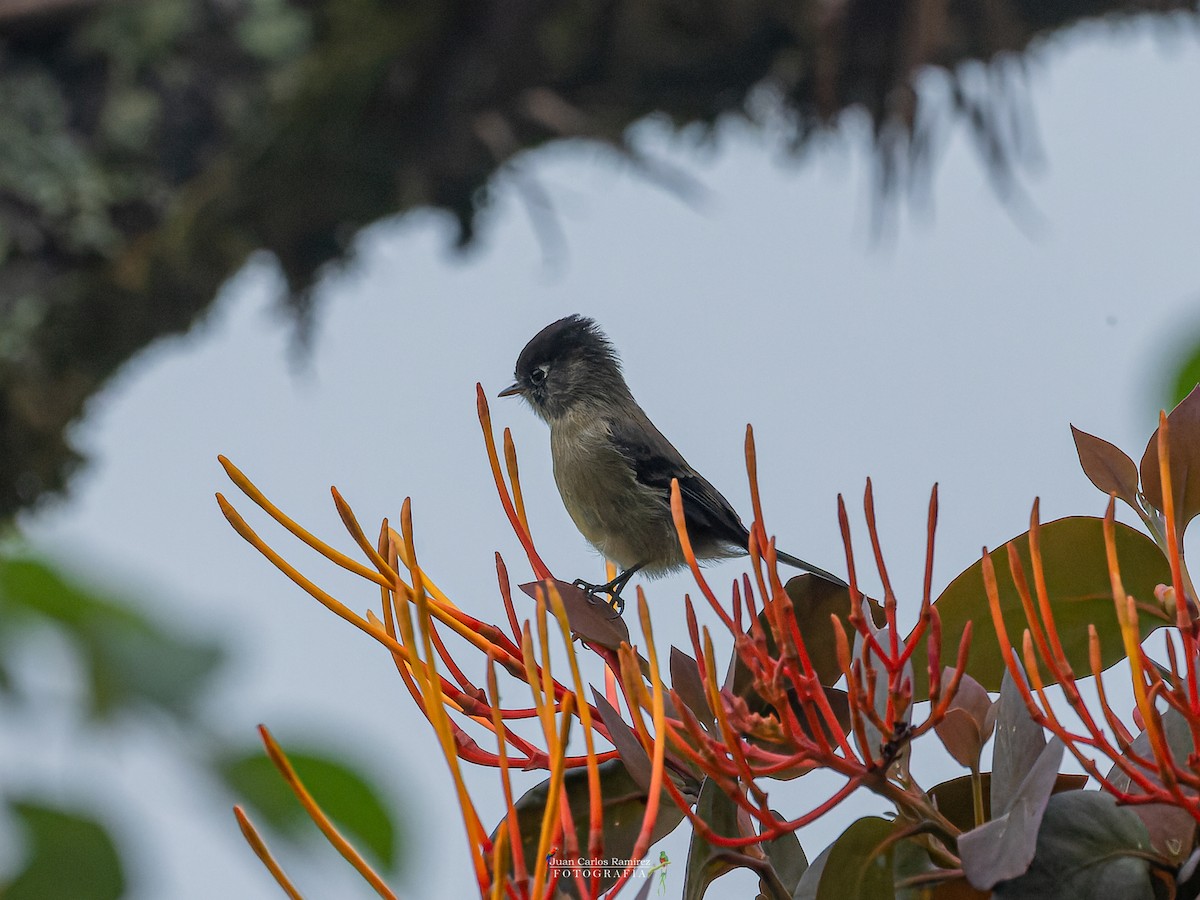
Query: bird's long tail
(797,563)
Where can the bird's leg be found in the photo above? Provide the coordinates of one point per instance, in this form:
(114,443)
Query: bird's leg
(612,588)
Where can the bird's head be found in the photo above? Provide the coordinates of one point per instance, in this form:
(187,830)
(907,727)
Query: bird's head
(568,367)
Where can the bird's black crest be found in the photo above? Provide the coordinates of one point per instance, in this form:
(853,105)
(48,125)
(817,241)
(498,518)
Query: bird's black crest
(573,336)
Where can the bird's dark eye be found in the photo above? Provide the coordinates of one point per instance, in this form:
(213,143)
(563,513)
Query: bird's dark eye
(538,375)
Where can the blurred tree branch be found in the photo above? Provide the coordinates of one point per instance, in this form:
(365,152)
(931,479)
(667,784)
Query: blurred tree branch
(147,148)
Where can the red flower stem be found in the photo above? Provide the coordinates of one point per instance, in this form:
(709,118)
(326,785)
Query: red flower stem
(1183,613)
(755,546)
(777,829)
(1124,738)
(931,530)
(658,753)
(1031,615)
(1062,665)
(817,712)
(822,700)
(688,554)
(511,821)
(506,595)
(889,596)
(485,420)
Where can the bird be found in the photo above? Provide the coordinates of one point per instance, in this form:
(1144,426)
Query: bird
(614,468)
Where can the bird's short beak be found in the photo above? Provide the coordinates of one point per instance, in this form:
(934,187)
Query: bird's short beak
(511,391)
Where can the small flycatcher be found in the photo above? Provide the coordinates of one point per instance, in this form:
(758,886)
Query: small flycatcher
(614,468)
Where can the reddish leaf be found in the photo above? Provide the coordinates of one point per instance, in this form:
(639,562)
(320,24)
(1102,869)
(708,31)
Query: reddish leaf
(626,742)
(1184,422)
(591,619)
(1106,466)
(686,682)
(960,735)
(957,889)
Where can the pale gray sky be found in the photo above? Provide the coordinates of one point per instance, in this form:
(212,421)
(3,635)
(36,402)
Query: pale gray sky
(956,351)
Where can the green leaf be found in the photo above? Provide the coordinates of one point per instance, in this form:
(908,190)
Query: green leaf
(130,659)
(1184,426)
(810,881)
(706,863)
(624,807)
(347,796)
(68,855)
(787,858)
(1086,849)
(1076,569)
(856,868)
(954,800)
(911,860)
(1003,848)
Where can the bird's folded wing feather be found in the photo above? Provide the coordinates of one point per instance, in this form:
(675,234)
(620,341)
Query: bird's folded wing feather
(655,462)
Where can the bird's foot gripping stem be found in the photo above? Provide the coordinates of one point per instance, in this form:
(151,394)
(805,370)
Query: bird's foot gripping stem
(612,589)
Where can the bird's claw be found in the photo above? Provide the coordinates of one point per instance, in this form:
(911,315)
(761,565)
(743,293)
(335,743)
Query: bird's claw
(594,592)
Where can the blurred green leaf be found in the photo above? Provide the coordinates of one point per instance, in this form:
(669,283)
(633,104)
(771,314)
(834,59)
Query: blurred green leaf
(346,795)
(129,658)
(1087,847)
(1077,579)
(68,856)
(1187,378)
(706,863)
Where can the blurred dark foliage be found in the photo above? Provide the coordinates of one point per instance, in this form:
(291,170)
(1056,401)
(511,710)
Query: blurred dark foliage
(133,673)
(148,148)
